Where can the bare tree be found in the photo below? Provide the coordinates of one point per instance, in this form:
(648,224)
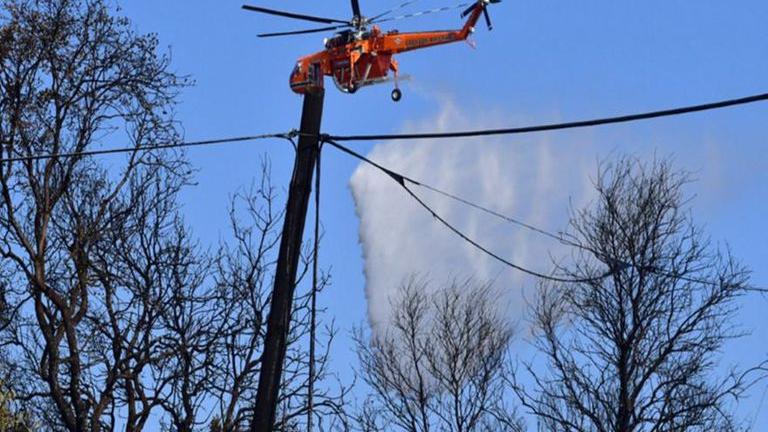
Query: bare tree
(244,277)
(110,309)
(210,332)
(637,350)
(71,75)
(144,272)
(439,363)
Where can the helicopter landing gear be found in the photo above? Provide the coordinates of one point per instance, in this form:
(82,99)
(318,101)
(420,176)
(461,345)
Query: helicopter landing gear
(396,94)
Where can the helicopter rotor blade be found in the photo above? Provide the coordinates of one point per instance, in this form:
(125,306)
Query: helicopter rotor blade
(487,19)
(417,14)
(402,6)
(300,32)
(468,10)
(356,8)
(293,15)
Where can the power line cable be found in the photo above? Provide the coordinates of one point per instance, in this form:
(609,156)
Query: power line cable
(613,262)
(313,307)
(488,252)
(402,181)
(441,135)
(288,136)
(506,218)
(462,134)
(673,275)
(557,126)
(656,270)
(469,203)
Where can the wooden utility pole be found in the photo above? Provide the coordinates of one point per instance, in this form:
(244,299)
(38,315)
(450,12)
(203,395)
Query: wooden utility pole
(287,263)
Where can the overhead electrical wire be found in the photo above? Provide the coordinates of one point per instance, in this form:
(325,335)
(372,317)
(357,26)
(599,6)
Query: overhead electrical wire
(557,126)
(615,263)
(401,179)
(313,300)
(506,218)
(433,135)
(673,275)
(403,182)
(466,202)
(569,242)
(287,136)
(494,255)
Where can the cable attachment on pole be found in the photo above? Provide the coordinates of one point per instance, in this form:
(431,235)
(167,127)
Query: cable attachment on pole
(289,136)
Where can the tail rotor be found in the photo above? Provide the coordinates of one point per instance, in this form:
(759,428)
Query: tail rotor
(487,19)
(484,5)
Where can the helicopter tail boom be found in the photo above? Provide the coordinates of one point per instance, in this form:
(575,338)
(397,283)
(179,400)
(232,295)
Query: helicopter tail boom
(401,42)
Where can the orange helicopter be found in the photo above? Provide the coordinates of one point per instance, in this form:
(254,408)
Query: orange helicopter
(357,57)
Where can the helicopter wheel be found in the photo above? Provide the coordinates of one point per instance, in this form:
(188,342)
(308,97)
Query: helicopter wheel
(352,89)
(396,94)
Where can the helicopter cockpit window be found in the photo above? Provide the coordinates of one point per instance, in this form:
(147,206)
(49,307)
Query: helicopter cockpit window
(334,42)
(296,69)
(315,76)
(339,40)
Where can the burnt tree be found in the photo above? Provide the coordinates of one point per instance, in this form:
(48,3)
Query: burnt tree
(637,350)
(71,76)
(439,363)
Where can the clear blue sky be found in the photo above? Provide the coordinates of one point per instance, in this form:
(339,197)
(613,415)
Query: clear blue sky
(545,61)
